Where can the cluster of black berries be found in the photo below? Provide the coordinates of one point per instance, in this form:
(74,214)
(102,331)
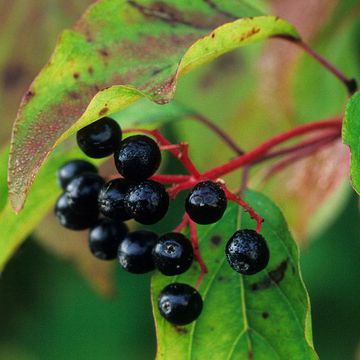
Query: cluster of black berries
(88,202)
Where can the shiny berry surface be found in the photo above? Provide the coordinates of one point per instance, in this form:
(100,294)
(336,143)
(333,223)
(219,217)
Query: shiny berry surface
(73,168)
(247,252)
(180,304)
(112,199)
(173,254)
(147,202)
(99,139)
(82,192)
(105,238)
(137,158)
(206,203)
(71,219)
(135,250)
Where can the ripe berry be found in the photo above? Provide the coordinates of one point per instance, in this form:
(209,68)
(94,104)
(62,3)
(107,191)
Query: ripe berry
(72,169)
(173,254)
(82,192)
(99,139)
(71,219)
(112,199)
(137,158)
(105,238)
(206,203)
(134,252)
(247,252)
(180,304)
(147,202)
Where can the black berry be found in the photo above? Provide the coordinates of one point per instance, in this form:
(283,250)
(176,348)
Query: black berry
(147,202)
(134,252)
(247,252)
(112,199)
(73,168)
(105,238)
(99,139)
(206,203)
(173,254)
(82,192)
(137,158)
(71,219)
(180,304)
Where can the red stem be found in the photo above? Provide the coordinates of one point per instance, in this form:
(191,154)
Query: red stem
(195,242)
(294,148)
(253,214)
(261,150)
(183,224)
(301,154)
(170,179)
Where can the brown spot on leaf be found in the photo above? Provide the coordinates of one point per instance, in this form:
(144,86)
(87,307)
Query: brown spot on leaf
(249,33)
(216,240)
(265,315)
(90,70)
(103,111)
(213,35)
(274,277)
(12,75)
(180,330)
(104,52)
(76,75)
(74,95)
(29,94)
(250,355)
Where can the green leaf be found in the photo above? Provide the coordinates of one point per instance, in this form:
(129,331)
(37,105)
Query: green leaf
(15,228)
(351,137)
(117,53)
(264,316)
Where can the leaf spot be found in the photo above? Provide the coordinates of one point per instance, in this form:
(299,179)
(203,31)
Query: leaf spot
(265,315)
(216,240)
(90,70)
(29,95)
(249,33)
(274,277)
(180,330)
(104,52)
(76,75)
(103,111)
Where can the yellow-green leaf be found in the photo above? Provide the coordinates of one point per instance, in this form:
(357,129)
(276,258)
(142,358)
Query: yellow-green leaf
(117,53)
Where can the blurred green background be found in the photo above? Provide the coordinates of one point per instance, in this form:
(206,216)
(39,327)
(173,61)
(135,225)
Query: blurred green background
(50,309)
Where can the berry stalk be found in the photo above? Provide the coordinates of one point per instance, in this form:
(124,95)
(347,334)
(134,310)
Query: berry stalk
(261,150)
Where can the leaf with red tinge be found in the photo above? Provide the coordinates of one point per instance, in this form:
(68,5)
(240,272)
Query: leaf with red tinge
(117,53)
